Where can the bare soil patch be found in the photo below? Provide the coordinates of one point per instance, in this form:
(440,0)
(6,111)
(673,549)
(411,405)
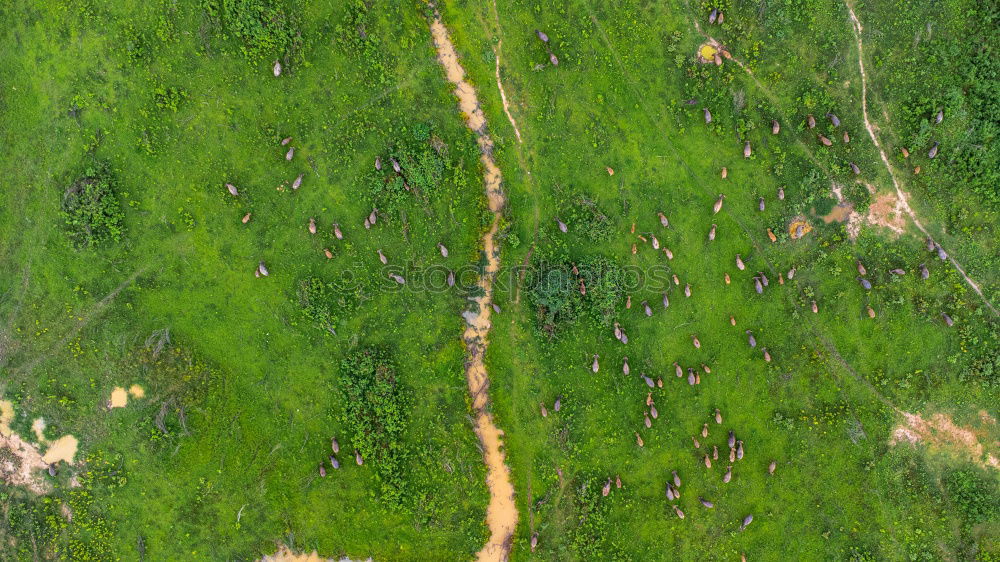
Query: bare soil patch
(888,211)
(940,432)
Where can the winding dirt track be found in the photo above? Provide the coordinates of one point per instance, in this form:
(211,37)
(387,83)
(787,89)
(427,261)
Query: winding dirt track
(501,514)
(902,195)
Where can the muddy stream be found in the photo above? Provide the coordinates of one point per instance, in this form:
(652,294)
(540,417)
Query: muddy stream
(501,514)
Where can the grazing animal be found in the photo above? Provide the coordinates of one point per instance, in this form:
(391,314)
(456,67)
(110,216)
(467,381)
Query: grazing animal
(706,368)
(939,117)
(815,308)
(625,368)
(708,461)
(545,412)
(739,263)
(847,137)
(373,216)
(746,521)
(871,312)
(924,273)
(606,489)
(297,182)
(336,231)
(906,153)
(947,319)
(771,467)
(711,233)
(52,470)
(732,439)
(728,280)
(382,258)
(750,339)
(732,320)
(708,116)
(760,204)
(791,273)
(290,154)
(728,475)
(692,379)
(443,249)
(553,59)
(262,269)
(232,190)
(595,366)
(666,301)
(941,253)
(767,356)
(618,331)
(897,271)
(649,311)
(678,370)
(678,511)
(618,482)
(663,220)
(397,278)
(696,342)
(704,430)
(933,151)
(322,470)
(715,452)
(334,462)
(358,458)
(652,409)
(718,204)
(824,140)
(718,416)
(725,172)
(648,423)
(695,442)
(395,165)
(713,15)
(706,503)
(328,253)
(670,492)
(811,121)
(655,242)
(638,440)
(246,218)
(285,141)
(855,168)
(865,283)
(543,37)
(861,268)
(739,450)
(649,381)
(562,226)
(334,445)
(763,278)
(677,479)
(451,279)
(833,119)
(534,541)
(775,127)
(687,289)
(312,225)
(378,163)
(746,150)
(276,68)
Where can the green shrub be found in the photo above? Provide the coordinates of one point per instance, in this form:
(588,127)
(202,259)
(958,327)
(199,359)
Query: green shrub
(975,495)
(376,412)
(316,297)
(91,208)
(264,29)
(555,291)
(588,219)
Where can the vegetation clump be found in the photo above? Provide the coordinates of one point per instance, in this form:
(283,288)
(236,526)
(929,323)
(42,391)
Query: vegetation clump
(376,413)
(263,27)
(560,295)
(91,209)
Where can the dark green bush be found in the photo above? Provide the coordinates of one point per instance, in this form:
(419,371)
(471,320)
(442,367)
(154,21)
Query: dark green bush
(263,27)
(91,208)
(316,297)
(588,219)
(376,412)
(974,494)
(555,291)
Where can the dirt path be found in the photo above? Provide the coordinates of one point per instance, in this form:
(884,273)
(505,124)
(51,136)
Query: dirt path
(904,204)
(501,514)
(503,95)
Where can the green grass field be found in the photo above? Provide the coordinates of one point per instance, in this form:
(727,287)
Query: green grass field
(247,378)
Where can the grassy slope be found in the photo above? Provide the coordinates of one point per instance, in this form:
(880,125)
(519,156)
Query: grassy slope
(271,405)
(832,496)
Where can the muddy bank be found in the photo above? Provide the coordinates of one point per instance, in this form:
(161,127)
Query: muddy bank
(501,514)
(940,433)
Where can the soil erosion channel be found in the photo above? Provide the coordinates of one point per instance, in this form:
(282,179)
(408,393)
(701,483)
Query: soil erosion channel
(501,515)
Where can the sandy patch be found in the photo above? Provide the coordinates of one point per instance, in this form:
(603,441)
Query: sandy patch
(888,211)
(62,449)
(136,391)
(501,514)
(840,213)
(285,554)
(707,52)
(6,416)
(941,433)
(119,398)
(38,427)
(23,465)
